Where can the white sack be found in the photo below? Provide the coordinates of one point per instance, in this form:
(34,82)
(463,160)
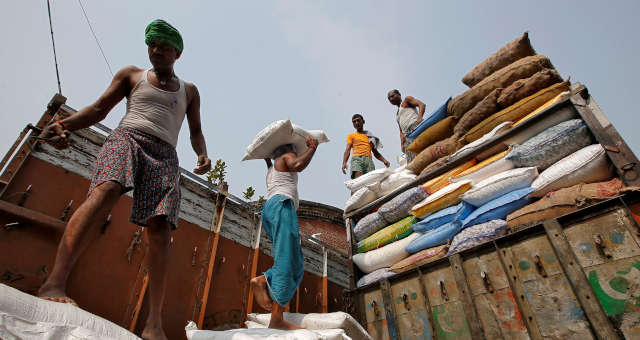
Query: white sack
(487,171)
(587,165)
(23,316)
(395,180)
(361,198)
(193,333)
(279,133)
(318,321)
(367,179)
(385,256)
(499,184)
(475,145)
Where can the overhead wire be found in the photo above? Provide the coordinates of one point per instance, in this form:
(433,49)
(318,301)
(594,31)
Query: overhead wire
(95,37)
(53,43)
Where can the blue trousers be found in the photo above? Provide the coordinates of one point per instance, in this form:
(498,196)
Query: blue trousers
(280,223)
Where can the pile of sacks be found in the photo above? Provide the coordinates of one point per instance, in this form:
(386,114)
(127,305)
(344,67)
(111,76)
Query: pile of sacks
(375,184)
(506,87)
(545,176)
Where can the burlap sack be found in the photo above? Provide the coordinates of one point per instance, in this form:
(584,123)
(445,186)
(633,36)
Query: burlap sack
(504,77)
(432,153)
(528,86)
(436,132)
(564,201)
(514,112)
(440,162)
(482,110)
(507,54)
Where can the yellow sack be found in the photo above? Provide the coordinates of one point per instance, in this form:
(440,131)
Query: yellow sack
(544,106)
(436,132)
(515,112)
(443,180)
(445,197)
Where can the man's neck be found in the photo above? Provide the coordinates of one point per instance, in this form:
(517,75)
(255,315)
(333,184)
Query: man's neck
(361,130)
(163,73)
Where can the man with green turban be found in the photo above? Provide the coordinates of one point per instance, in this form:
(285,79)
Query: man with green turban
(139,154)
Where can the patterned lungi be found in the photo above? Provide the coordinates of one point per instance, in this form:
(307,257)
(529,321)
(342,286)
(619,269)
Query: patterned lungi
(146,164)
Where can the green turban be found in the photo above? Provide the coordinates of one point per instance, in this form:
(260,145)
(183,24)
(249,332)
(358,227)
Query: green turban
(160,30)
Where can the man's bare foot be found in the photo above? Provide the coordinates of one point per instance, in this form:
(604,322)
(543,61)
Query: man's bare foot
(260,292)
(153,333)
(55,294)
(281,324)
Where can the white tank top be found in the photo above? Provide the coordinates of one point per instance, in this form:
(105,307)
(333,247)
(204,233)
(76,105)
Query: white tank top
(407,119)
(155,111)
(283,183)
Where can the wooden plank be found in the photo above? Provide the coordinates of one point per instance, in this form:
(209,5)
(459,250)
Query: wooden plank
(530,320)
(389,309)
(465,297)
(626,162)
(254,268)
(413,322)
(349,225)
(136,313)
(500,316)
(325,288)
(579,282)
(450,322)
(217,223)
(425,299)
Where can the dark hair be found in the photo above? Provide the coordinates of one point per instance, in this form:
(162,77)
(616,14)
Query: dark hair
(395,91)
(282,149)
(356,116)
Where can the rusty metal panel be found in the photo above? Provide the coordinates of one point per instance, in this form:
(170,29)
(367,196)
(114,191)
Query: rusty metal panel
(412,318)
(601,239)
(557,311)
(378,330)
(450,322)
(493,298)
(440,285)
(617,287)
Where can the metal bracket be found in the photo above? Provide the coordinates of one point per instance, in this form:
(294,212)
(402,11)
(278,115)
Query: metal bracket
(193,257)
(600,245)
(11,226)
(443,291)
(539,266)
(405,299)
(136,239)
(374,306)
(487,282)
(106,224)
(24,195)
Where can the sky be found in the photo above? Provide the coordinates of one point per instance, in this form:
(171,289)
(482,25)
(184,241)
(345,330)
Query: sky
(314,62)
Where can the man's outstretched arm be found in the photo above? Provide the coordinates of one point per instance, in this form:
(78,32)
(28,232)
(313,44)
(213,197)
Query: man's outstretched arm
(300,163)
(195,130)
(379,156)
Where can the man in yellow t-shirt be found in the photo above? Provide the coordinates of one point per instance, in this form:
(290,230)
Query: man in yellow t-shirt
(363,147)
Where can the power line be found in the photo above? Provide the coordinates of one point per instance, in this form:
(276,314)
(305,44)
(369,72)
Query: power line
(55,57)
(95,37)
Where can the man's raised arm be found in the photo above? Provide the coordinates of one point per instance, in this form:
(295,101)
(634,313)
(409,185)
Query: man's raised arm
(195,130)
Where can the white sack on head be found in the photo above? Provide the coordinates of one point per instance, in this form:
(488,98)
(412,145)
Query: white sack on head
(279,133)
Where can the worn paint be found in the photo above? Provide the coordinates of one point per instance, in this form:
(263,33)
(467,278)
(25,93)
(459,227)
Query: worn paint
(489,264)
(378,330)
(450,321)
(432,279)
(414,326)
(556,308)
(500,316)
(617,289)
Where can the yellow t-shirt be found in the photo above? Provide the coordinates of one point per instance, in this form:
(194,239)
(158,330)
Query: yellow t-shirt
(360,142)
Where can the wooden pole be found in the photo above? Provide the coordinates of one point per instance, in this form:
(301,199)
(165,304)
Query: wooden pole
(254,266)
(325,288)
(143,291)
(221,199)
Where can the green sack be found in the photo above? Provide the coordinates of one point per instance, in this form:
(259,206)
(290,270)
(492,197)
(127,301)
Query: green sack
(392,233)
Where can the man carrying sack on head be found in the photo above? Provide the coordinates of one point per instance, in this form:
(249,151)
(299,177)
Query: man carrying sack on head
(139,154)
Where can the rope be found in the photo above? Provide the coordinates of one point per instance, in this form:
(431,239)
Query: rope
(95,37)
(55,57)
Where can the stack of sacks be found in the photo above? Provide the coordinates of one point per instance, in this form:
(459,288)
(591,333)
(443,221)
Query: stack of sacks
(498,185)
(475,145)
(442,235)
(390,212)
(420,258)
(478,234)
(487,168)
(499,208)
(392,233)
(587,165)
(279,133)
(443,216)
(395,180)
(365,188)
(434,127)
(514,112)
(375,276)
(316,321)
(515,50)
(433,153)
(443,180)
(385,256)
(564,201)
(551,145)
(445,197)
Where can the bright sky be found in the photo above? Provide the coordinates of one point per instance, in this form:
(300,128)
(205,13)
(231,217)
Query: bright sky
(314,62)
